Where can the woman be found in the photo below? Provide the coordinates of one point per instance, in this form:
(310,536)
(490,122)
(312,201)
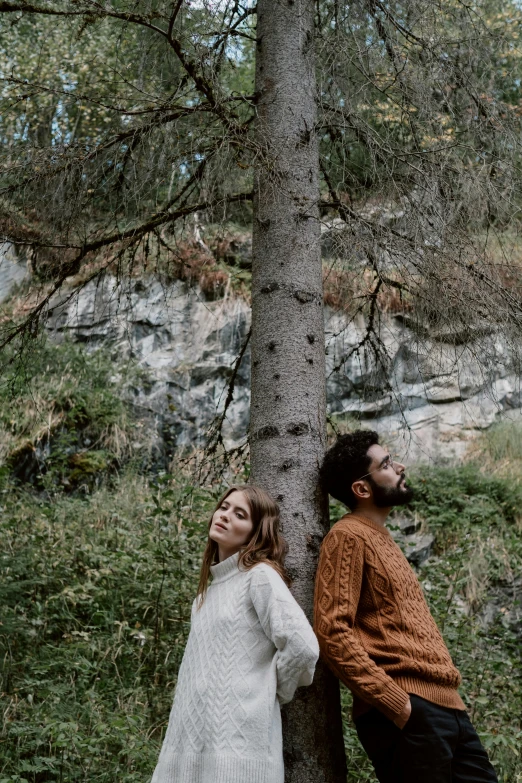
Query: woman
(250,646)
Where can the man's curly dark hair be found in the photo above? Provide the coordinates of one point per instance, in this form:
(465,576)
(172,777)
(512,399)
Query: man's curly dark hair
(345,462)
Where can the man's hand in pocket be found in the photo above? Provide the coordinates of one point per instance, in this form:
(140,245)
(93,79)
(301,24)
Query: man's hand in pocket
(403,718)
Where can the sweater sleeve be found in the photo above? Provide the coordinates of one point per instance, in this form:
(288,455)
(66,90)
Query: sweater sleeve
(285,624)
(337,593)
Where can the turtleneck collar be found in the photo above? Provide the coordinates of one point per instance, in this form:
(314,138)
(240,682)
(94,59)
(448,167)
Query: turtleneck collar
(225,569)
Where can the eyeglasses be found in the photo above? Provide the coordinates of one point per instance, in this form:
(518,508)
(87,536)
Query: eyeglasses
(388,462)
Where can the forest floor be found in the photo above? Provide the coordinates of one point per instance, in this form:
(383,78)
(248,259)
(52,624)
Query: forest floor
(100,559)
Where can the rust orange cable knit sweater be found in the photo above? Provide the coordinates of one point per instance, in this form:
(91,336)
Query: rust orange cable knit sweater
(374,627)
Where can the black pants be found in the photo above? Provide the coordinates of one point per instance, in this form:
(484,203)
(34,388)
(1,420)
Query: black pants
(437,745)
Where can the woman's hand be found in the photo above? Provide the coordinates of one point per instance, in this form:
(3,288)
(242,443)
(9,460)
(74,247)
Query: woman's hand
(403,718)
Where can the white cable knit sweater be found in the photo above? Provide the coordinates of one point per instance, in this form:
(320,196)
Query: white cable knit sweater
(250,646)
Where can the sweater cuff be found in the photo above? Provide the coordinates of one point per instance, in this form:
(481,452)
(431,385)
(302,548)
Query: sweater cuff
(392,702)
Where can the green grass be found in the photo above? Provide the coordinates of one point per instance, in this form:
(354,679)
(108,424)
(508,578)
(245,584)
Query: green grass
(62,416)
(500,450)
(99,565)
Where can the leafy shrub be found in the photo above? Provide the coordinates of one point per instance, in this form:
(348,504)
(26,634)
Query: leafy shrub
(96,594)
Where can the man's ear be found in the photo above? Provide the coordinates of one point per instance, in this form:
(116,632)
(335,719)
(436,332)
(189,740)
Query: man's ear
(361,490)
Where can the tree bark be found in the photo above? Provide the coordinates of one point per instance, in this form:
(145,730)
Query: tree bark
(288,408)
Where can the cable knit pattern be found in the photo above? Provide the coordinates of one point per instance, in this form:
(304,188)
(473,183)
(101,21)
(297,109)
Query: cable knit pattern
(250,646)
(374,626)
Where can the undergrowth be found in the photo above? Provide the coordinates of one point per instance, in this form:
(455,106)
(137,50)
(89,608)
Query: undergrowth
(62,416)
(96,593)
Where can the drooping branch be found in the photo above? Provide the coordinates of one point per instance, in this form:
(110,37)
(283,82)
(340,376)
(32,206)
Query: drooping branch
(72,267)
(215,434)
(159,219)
(98,10)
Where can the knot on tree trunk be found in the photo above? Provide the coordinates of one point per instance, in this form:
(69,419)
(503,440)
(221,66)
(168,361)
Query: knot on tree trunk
(264,433)
(298,428)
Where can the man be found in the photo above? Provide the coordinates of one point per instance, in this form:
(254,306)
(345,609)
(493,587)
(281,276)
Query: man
(377,634)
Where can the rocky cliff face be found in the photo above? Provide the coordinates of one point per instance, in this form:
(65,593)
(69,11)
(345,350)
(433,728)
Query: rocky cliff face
(430,400)
(12,270)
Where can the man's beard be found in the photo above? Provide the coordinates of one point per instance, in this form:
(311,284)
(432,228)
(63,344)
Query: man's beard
(385,497)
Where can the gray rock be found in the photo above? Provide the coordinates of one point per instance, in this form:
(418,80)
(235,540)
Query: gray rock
(429,403)
(504,603)
(417,547)
(186,346)
(13,270)
(407,525)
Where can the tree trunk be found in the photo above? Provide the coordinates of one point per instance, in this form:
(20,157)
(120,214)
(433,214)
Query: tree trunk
(288,409)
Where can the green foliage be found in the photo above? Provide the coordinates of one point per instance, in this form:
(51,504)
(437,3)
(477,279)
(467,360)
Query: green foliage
(476,519)
(96,594)
(115,94)
(434,112)
(96,587)
(453,499)
(62,417)
(97,590)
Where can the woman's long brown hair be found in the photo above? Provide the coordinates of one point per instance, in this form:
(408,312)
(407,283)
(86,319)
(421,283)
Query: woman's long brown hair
(266,544)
